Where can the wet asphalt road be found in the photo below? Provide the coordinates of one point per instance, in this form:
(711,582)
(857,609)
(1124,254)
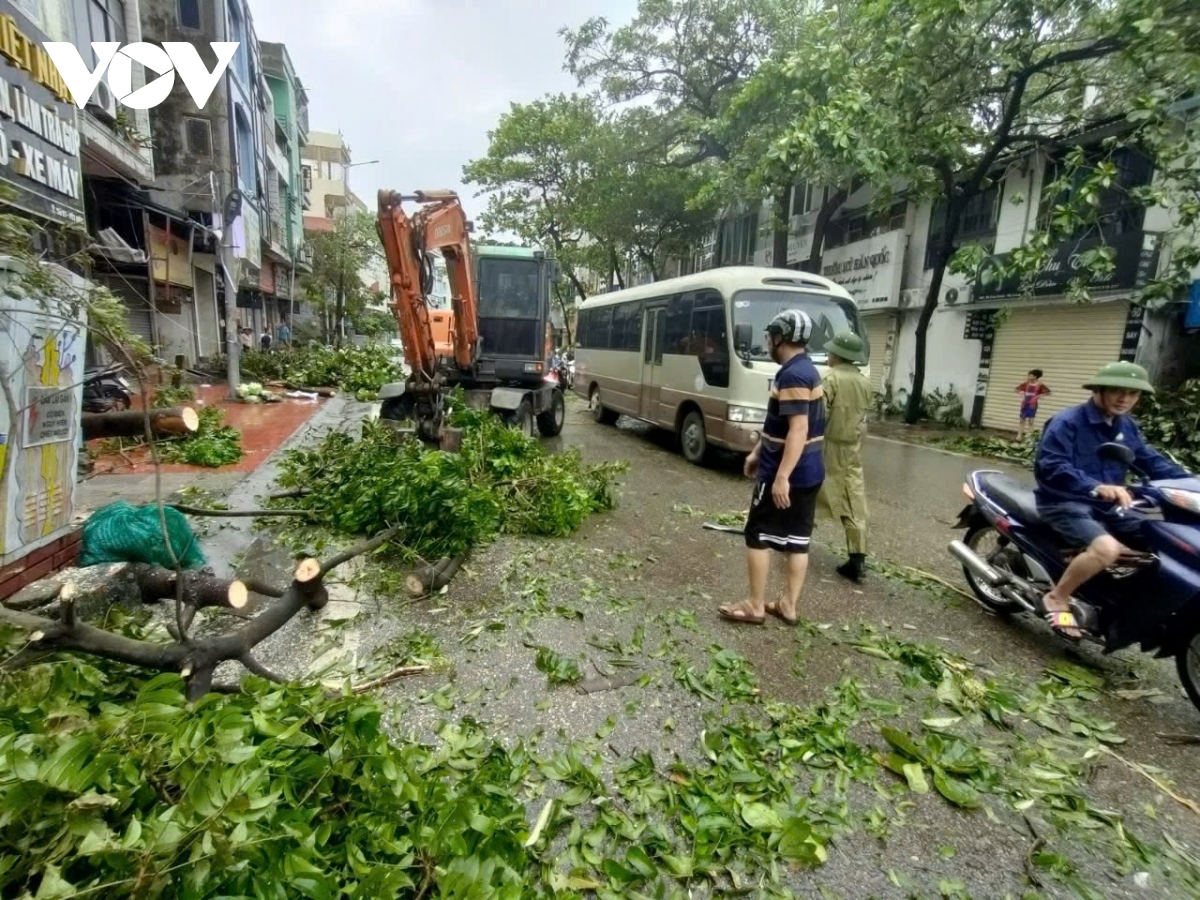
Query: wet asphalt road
(652,551)
(914,495)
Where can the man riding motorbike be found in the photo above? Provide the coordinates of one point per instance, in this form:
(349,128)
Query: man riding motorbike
(1077,490)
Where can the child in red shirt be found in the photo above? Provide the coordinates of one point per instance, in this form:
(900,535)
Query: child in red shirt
(1031,391)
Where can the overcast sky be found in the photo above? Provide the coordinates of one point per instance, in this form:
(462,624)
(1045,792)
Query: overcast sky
(417,84)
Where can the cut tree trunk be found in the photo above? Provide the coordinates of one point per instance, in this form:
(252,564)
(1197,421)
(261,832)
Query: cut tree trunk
(176,422)
(432,579)
(194,660)
(199,589)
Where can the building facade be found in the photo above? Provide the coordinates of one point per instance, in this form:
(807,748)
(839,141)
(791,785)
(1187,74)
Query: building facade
(44,139)
(984,337)
(326,166)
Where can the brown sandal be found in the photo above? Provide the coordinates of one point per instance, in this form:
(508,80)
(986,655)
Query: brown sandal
(773,610)
(740,615)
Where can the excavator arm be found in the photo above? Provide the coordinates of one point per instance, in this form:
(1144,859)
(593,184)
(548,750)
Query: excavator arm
(440,224)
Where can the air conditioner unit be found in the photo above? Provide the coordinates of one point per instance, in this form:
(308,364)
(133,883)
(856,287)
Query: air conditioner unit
(103,104)
(910,298)
(956,295)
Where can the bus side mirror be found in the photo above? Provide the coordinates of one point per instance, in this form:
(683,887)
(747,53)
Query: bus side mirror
(556,275)
(743,337)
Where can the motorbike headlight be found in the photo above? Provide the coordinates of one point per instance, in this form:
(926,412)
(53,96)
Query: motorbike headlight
(1189,500)
(747,415)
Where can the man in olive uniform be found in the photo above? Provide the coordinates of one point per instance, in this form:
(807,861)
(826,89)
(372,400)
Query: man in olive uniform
(843,497)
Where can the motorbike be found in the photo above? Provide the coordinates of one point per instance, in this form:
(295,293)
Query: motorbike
(563,375)
(106,389)
(1150,597)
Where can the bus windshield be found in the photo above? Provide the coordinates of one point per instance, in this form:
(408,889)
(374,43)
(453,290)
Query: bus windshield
(757,308)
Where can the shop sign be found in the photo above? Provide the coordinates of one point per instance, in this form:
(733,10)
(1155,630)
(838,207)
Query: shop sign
(1135,260)
(870,269)
(39,132)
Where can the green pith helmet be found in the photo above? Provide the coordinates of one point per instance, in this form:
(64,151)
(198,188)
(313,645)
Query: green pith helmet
(1127,375)
(846,345)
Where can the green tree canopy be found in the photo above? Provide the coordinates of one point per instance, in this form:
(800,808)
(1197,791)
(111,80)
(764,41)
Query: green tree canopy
(339,255)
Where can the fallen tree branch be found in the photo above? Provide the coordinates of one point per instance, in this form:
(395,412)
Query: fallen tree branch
(261,588)
(254,667)
(286,495)
(1179,739)
(390,677)
(199,589)
(325,392)
(432,579)
(236,513)
(359,549)
(1158,783)
(177,422)
(195,661)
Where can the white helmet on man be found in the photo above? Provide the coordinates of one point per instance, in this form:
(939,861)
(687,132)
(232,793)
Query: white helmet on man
(794,326)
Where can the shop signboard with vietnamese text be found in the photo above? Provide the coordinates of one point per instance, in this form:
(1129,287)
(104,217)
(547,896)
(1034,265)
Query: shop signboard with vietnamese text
(39,131)
(870,269)
(1134,257)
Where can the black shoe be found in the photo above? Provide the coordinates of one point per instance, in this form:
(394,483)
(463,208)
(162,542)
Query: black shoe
(854,567)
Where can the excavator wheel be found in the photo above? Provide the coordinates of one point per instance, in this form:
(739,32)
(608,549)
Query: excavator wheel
(550,423)
(521,418)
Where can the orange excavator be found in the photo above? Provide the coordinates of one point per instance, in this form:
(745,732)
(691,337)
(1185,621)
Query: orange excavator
(498,342)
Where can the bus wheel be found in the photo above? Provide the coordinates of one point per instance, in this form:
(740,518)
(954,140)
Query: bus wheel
(550,422)
(692,438)
(599,413)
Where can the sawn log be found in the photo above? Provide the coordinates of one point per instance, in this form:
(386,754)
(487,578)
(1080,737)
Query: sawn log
(175,422)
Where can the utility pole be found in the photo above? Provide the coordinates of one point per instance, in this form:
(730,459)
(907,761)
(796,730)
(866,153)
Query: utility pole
(233,348)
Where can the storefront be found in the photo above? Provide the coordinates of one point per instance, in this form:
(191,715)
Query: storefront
(1068,341)
(42,357)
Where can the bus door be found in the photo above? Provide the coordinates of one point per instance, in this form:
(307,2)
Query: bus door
(654,333)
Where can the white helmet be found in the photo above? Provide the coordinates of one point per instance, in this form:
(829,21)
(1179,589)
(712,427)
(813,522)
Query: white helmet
(795,326)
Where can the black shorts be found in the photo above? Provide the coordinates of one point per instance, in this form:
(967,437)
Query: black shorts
(786,530)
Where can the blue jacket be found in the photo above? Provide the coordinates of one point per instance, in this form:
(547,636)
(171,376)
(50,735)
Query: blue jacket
(1068,466)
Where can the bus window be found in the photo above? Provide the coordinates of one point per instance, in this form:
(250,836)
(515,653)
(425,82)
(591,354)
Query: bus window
(679,322)
(710,342)
(627,327)
(599,328)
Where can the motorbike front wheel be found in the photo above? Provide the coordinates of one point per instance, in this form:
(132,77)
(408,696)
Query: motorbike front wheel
(1187,664)
(985,541)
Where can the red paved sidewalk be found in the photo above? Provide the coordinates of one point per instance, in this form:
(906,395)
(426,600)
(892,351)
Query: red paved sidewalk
(264,426)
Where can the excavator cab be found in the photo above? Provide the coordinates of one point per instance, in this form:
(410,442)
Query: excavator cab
(513,285)
(496,347)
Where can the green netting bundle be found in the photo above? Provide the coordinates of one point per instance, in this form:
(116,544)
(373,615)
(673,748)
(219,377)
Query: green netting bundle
(121,532)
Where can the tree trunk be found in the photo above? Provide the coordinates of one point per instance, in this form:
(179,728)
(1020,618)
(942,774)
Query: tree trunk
(780,233)
(339,323)
(132,423)
(831,205)
(566,315)
(616,268)
(433,578)
(194,660)
(942,256)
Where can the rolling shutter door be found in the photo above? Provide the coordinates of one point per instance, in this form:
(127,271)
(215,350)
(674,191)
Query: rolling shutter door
(1068,343)
(878,328)
(137,308)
